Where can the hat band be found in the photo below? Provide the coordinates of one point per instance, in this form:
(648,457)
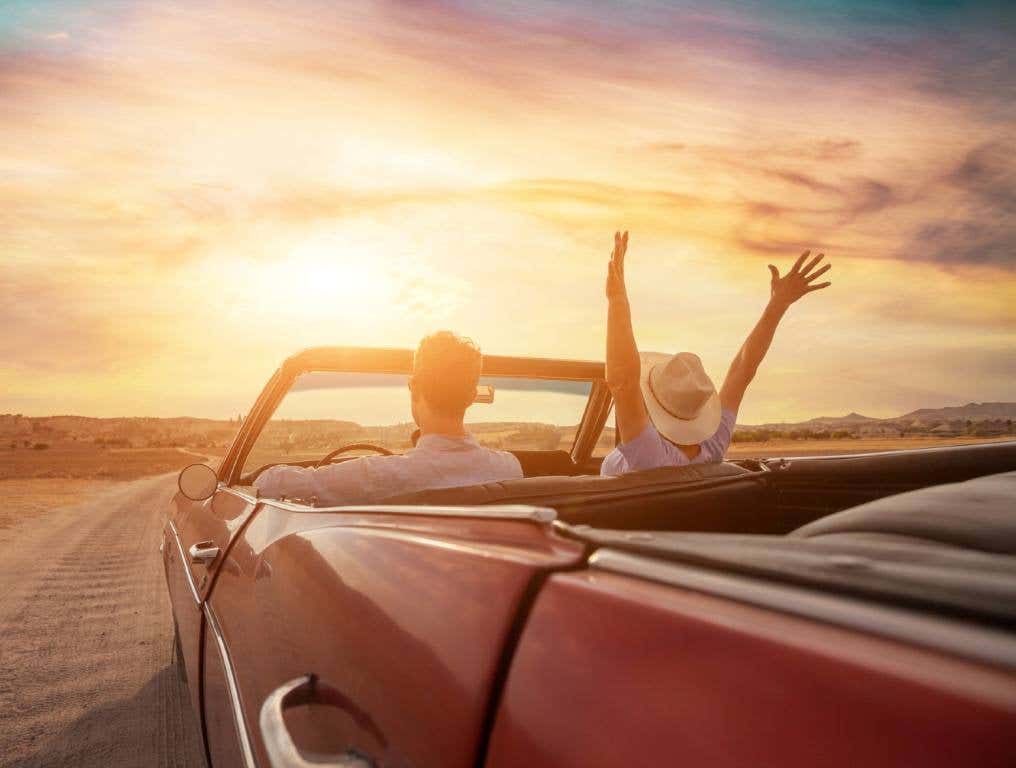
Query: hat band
(652,391)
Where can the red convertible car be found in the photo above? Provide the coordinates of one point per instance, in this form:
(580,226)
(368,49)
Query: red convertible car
(850,610)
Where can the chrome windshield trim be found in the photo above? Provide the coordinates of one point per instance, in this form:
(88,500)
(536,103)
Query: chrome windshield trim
(243,736)
(541,515)
(185,564)
(948,635)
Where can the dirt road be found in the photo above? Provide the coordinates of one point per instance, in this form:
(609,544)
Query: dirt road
(86,675)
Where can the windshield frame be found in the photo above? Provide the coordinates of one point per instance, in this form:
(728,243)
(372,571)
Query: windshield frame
(400,361)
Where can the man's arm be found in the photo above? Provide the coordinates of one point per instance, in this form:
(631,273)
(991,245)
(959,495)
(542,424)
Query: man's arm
(623,366)
(345,482)
(784,291)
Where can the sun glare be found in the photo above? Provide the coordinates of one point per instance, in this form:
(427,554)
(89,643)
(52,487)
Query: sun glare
(324,277)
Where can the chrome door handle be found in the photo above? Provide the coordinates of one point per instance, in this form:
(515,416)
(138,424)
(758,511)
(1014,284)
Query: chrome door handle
(203,552)
(282,752)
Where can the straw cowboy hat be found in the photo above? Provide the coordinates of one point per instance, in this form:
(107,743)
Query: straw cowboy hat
(680,397)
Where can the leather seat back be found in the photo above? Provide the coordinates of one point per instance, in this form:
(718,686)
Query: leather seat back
(711,497)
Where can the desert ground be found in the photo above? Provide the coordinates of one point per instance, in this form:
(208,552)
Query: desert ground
(86,668)
(86,656)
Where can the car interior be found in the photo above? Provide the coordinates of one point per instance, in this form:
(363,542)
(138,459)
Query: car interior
(751,496)
(750,508)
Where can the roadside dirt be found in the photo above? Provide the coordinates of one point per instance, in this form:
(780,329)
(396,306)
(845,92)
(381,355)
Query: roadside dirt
(86,638)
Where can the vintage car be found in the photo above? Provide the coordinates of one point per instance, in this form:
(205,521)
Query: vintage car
(852,610)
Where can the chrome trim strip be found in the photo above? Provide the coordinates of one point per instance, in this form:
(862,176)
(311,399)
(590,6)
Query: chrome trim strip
(982,644)
(185,563)
(898,452)
(238,491)
(493,512)
(246,750)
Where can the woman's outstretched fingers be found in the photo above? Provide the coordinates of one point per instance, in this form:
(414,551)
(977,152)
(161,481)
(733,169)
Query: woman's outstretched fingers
(818,273)
(800,261)
(818,287)
(811,264)
(620,249)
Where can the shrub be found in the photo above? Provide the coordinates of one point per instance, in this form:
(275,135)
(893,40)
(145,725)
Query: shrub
(41,446)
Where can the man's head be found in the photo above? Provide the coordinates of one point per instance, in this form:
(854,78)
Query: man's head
(446,369)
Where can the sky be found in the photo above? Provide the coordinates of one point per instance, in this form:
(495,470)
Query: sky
(192,191)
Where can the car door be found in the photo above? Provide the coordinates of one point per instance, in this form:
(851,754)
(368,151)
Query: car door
(403,616)
(198,535)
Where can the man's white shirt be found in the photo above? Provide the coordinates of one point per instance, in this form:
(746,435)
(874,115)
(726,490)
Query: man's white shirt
(437,461)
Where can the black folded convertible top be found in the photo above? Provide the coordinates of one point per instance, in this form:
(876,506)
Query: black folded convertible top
(949,549)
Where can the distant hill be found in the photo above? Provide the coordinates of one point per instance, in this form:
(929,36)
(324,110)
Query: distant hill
(836,421)
(970,419)
(972,411)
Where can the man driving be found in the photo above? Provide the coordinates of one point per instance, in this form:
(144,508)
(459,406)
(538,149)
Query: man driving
(446,371)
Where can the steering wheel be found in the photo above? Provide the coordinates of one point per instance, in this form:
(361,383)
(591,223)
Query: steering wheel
(353,447)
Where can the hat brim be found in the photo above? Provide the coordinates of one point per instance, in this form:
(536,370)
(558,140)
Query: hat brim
(679,431)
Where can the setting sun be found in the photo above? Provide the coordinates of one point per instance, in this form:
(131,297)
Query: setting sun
(327,276)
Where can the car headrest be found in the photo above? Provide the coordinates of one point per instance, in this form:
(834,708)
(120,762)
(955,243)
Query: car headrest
(978,514)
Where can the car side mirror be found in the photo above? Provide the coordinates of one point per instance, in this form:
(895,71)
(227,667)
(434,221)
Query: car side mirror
(198,482)
(484,393)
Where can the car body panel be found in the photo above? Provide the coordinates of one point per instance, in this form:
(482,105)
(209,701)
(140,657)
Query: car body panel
(186,603)
(644,670)
(406,615)
(228,739)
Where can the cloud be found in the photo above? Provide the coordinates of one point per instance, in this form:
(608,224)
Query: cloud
(978,224)
(59,320)
(988,172)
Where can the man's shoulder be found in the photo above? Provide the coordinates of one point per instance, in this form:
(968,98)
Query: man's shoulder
(506,456)
(506,461)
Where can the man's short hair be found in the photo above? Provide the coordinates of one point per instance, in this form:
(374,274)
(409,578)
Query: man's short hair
(446,370)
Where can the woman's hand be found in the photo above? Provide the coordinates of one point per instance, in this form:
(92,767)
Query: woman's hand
(615,270)
(798,281)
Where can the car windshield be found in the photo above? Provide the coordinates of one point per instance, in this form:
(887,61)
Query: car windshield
(327,410)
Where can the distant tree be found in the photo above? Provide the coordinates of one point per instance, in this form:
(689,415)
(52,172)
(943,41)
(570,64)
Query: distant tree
(27,443)
(41,446)
(14,445)
(970,425)
(1008,426)
(840,434)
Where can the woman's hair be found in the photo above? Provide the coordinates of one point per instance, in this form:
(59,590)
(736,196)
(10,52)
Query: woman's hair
(446,369)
